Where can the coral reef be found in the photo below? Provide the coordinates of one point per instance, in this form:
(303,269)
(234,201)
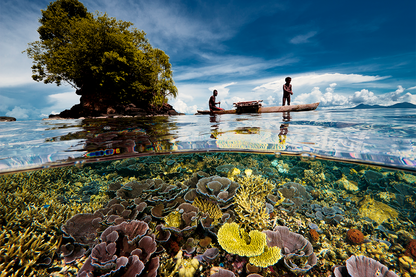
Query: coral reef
(56,221)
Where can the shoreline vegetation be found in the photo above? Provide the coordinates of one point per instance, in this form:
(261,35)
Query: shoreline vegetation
(110,63)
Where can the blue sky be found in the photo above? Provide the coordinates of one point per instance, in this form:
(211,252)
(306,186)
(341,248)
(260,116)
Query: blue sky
(341,53)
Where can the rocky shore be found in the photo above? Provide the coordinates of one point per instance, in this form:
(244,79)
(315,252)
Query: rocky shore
(7,118)
(90,108)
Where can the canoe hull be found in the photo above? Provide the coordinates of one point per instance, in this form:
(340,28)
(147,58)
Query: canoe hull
(275,109)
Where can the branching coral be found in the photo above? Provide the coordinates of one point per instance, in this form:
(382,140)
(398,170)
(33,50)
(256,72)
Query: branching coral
(207,207)
(250,202)
(32,212)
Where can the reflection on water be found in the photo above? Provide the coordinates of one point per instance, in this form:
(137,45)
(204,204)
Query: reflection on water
(385,137)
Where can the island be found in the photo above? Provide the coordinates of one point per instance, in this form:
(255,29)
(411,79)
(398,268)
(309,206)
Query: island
(7,118)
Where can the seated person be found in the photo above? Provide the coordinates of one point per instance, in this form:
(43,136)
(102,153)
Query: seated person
(212,103)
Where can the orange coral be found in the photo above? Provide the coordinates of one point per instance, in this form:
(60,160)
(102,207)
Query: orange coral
(314,234)
(355,236)
(411,249)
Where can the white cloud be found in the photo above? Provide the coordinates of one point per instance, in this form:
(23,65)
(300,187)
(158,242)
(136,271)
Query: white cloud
(18,113)
(408,97)
(222,89)
(303,38)
(228,65)
(182,107)
(60,102)
(364,96)
(412,88)
(314,79)
(271,101)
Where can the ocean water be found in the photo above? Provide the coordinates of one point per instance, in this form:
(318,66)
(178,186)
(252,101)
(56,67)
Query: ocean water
(344,180)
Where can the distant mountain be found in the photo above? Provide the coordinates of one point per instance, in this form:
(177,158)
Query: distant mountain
(403,105)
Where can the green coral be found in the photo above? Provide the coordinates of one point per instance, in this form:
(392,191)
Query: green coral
(236,241)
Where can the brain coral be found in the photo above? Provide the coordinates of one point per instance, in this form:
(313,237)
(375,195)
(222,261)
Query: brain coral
(233,240)
(355,236)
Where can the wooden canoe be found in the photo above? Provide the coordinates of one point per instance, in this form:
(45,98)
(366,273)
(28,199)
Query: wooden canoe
(275,109)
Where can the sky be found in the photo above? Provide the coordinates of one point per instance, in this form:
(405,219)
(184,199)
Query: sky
(339,53)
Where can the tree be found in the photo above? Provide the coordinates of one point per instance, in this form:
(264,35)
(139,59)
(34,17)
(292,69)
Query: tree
(101,57)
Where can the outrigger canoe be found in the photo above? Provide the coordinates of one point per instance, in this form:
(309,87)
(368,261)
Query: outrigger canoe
(256,107)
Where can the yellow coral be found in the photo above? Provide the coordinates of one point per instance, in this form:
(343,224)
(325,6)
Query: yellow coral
(270,256)
(188,267)
(234,240)
(208,207)
(251,202)
(173,219)
(248,172)
(282,198)
(232,173)
(408,264)
(376,211)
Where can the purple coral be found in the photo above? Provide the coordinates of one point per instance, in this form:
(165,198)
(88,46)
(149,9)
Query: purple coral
(83,227)
(223,273)
(220,189)
(125,250)
(362,266)
(293,246)
(209,255)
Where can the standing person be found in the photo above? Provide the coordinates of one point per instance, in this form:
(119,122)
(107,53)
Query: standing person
(287,91)
(212,103)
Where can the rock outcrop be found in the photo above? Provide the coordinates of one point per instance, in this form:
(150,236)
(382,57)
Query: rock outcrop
(7,118)
(96,107)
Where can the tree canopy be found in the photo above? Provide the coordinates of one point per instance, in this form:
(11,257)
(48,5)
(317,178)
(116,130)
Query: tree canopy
(99,55)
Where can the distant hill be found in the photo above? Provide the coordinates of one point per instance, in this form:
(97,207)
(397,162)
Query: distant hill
(403,105)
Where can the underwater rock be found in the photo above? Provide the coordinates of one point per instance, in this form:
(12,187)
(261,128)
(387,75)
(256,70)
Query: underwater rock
(346,184)
(125,250)
(361,266)
(294,246)
(377,211)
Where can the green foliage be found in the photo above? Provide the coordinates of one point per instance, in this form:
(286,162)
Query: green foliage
(99,55)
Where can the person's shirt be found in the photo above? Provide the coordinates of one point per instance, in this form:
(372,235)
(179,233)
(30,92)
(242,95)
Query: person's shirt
(212,102)
(288,88)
